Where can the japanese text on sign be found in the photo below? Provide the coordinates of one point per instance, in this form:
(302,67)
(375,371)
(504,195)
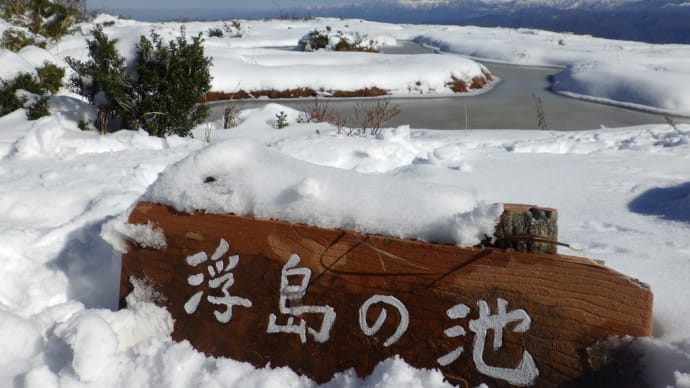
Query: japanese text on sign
(220,279)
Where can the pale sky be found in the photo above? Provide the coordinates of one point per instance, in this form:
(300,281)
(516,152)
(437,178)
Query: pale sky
(200,4)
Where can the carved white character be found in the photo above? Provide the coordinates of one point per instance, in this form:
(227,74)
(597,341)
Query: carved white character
(526,372)
(389,300)
(220,277)
(292,293)
(458,311)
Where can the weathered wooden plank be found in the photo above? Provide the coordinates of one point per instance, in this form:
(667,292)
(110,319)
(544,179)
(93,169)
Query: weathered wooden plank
(477,314)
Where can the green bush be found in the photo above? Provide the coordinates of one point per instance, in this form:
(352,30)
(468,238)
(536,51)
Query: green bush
(84,125)
(315,40)
(24,81)
(342,45)
(318,40)
(233,29)
(215,33)
(48,18)
(11,101)
(163,98)
(38,108)
(236,25)
(281,120)
(10,9)
(55,19)
(173,79)
(102,79)
(50,76)
(15,40)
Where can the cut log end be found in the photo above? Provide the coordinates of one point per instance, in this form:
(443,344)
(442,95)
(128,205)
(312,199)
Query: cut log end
(527,228)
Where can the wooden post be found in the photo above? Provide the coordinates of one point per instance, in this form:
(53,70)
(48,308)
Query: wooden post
(323,301)
(527,228)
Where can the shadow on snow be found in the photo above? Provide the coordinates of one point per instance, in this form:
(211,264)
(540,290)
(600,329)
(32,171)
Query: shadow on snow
(92,267)
(668,203)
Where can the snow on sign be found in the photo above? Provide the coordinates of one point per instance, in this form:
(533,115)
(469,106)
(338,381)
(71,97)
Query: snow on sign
(322,301)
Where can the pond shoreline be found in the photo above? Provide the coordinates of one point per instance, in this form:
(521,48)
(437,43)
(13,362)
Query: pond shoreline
(509,101)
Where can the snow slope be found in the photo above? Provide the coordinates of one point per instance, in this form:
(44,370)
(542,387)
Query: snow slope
(623,196)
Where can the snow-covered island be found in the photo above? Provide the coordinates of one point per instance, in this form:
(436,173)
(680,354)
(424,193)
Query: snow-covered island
(623,194)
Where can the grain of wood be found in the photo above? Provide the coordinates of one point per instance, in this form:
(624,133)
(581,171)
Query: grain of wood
(572,302)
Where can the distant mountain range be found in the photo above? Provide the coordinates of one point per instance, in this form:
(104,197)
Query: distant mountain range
(560,4)
(654,21)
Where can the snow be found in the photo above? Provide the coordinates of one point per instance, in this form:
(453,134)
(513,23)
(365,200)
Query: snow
(623,194)
(632,74)
(629,84)
(274,69)
(118,231)
(249,179)
(329,71)
(625,73)
(36,56)
(11,64)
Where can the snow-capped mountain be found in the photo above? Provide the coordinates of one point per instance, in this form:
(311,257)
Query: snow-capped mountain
(518,4)
(422,3)
(656,21)
(558,4)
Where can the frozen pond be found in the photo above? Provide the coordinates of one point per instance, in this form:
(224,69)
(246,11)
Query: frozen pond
(508,105)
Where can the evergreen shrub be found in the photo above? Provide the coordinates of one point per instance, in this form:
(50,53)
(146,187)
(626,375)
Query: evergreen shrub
(11,97)
(102,79)
(163,94)
(173,79)
(15,40)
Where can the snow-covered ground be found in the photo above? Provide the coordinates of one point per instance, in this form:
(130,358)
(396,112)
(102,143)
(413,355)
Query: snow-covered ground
(247,64)
(634,74)
(623,196)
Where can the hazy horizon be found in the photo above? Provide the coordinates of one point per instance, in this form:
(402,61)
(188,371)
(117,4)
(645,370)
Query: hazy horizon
(203,7)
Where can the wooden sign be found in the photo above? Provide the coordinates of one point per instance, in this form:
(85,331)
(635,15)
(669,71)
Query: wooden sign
(323,301)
